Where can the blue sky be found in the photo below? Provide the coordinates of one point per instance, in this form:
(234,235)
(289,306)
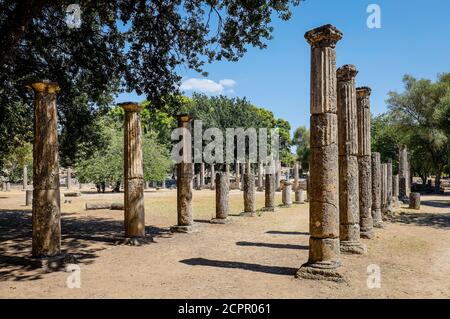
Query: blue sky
(414,38)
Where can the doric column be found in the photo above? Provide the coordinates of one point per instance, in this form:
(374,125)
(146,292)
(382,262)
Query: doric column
(133,172)
(348,161)
(202,175)
(25,177)
(364,162)
(237,168)
(287,194)
(383,188)
(213,177)
(249,193)
(296,177)
(221,199)
(389,186)
(260,177)
(46,240)
(395,190)
(299,196)
(277,176)
(185,172)
(403,173)
(376,190)
(69,178)
(324,250)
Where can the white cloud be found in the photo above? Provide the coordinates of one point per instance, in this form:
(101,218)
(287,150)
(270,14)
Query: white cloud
(208,86)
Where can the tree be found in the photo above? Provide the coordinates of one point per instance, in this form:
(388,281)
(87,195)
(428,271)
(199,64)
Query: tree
(125,45)
(421,112)
(19,157)
(301,140)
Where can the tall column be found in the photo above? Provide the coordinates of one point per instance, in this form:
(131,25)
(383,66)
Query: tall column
(25,177)
(269,204)
(185,171)
(202,175)
(222,205)
(395,190)
(213,177)
(364,162)
(134,222)
(69,178)
(376,190)
(260,177)
(46,218)
(348,161)
(324,249)
(249,193)
(237,175)
(403,173)
(384,188)
(277,176)
(389,186)
(296,177)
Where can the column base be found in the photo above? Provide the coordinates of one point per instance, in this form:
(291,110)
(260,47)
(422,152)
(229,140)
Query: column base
(133,241)
(52,263)
(351,247)
(184,229)
(247,214)
(221,221)
(299,203)
(378,224)
(367,234)
(320,271)
(269,209)
(260,189)
(285,206)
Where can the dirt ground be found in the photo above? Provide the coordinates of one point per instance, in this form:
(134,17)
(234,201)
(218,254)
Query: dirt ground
(252,257)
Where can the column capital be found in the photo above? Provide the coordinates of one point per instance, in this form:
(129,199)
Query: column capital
(131,106)
(324,36)
(363,92)
(44,86)
(346,73)
(183,118)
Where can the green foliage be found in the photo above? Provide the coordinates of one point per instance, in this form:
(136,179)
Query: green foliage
(15,161)
(302,142)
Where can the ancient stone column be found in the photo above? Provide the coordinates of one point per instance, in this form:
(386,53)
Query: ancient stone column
(296,177)
(28,197)
(287,194)
(364,162)
(238,176)
(395,190)
(269,204)
(324,249)
(243,171)
(277,176)
(134,221)
(299,196)
(8,186)
(260,177)
(414,201)
(25,177)
(307,187)
(185,171)
(376,190)
(349,234)
(384,188)
(213,177)
(403,173)
(202,175)
(69,178)
(389,186)
(46,240)
(249,194)
(227,170)
(221,199)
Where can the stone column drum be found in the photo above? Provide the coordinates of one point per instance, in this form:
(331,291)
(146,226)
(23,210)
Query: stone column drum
(299,196)
(296,177)
(213,177)
(395,190)
(69,178)
(202,176)
(403,173)
(414,201)
(269,204)
(348,161)
(222,198)
(323,191)
(376,190)
(133,172)
(25,177)
(260,177)
(364,162)
(46,217)
(389,186)
(287,194)
(185,172)
(237,184)
(383,188)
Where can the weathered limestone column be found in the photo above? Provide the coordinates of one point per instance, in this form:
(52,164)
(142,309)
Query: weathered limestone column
(221,199)
(269,204)
(227,170)
(25,177)
(364,162)
(185,172)
(46,240)
(202,176)
(383,188)
(324,249)
(134,222)
(299,196)
(243,171)
(28,197)
(308,192)
(277,176)
(8,186)
(376,190)
(395,190)
(237,175)
(213,177)
(260,177)
(414,201)
(349,234)
(249,194)
(389,186)
(287,194)
(69,178)
(403,173)
(296,177)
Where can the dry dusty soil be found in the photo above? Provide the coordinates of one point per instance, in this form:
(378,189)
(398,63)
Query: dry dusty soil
(252,257)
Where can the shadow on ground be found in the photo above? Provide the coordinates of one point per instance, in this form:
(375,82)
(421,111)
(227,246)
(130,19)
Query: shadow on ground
(82,237)
(274,270)
(441,221)
(271,245)
(278,232)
